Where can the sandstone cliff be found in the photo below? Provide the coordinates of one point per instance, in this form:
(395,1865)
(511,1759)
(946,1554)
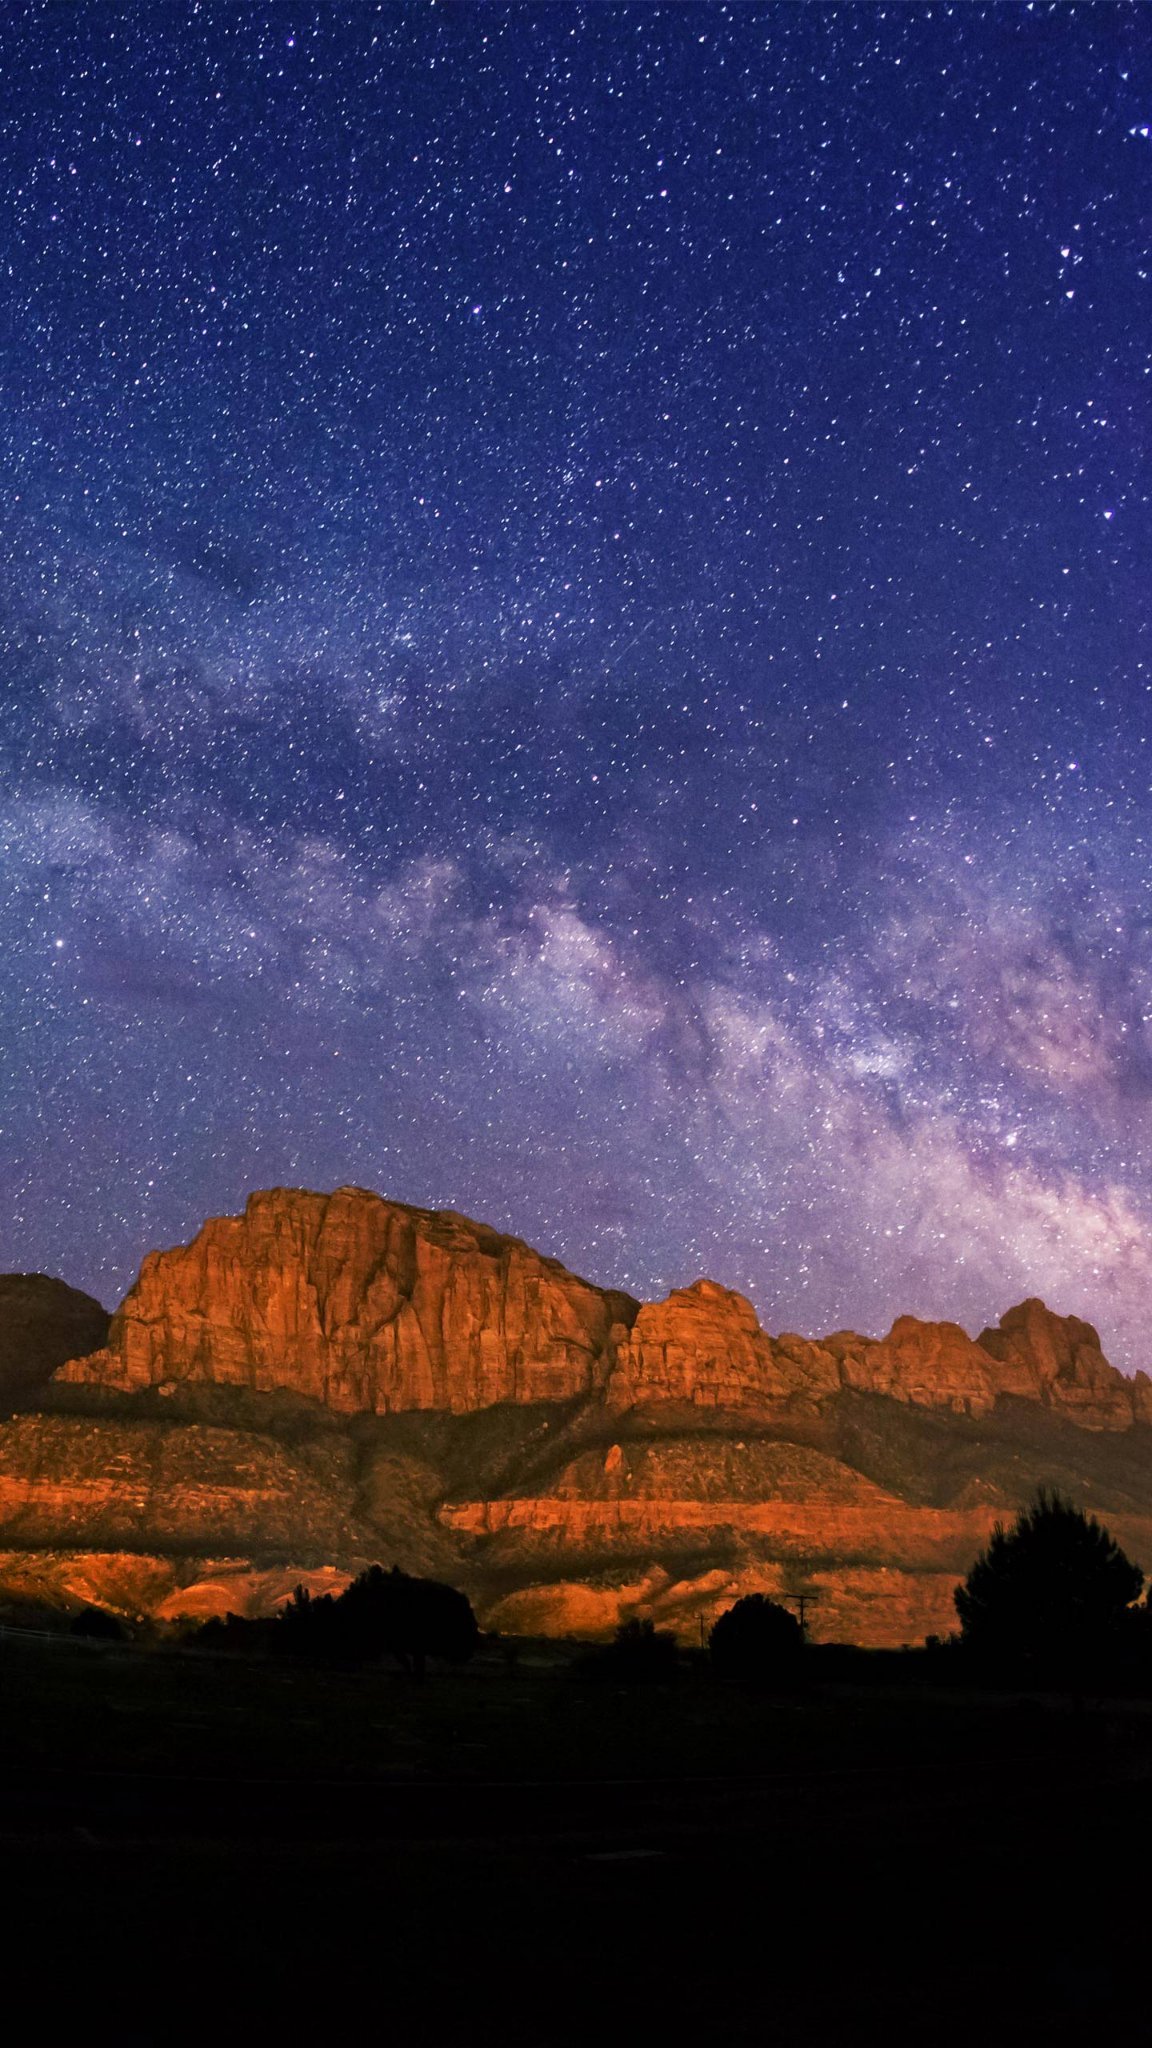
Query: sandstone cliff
(366,1305)
(373,1307)
(704,1345)
(329,1378)
(1058,1360)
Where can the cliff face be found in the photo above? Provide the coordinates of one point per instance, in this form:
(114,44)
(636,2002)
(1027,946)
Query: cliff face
(365,1305)
(462,1405)
(111,1484)
(1058,1360)
(373,1307)
(704,1345)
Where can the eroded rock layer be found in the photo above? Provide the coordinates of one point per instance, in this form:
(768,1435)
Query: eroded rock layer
(365,1305)
(372,1306)
(328,1379)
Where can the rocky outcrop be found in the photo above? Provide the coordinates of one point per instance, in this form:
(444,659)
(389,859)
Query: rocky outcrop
(853,1605)
(375,1307)
(112,1485)
(464,1406)
(1058,1360)
(724,1469)
(48,1583)
(702,1345)
(365,1305)
(43,1323)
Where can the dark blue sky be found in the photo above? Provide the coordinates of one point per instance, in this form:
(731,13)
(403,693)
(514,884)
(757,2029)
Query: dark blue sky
(574,606)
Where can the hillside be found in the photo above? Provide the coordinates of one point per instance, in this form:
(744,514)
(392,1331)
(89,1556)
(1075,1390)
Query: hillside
(328,1379)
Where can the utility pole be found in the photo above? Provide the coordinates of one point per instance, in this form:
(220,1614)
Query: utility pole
(803,1602)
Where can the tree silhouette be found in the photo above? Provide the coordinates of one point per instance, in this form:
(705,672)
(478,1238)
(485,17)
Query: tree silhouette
(756,1639)
(1050,1592)
(99,1624)
(638,1652)
(388,1613)
(380,1614)
(308,1626)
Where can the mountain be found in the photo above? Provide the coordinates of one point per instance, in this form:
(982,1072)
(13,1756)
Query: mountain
(43,1323)
(331,1378)
(366,1305)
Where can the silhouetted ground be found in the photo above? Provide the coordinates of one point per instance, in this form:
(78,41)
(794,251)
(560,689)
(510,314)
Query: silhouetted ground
(205,1847)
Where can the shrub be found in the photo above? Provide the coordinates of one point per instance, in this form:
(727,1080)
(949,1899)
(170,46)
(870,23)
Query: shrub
(381,1614)
(1051,1593)
(98,1624)
(639,1654)
(757,1640)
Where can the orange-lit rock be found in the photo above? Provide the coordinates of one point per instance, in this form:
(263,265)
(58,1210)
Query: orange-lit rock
(936,1365)
(138,1585)
(704,1345)
(373,1306)
(231,1587)
(727,1469)
(363,1304)
(1032,1355)
(895,1584)
(873,1533)
(114,1485)
(336,1378)
(1058,1360)
(878,1608)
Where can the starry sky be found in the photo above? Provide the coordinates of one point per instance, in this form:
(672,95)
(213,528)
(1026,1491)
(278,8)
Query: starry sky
(574,597)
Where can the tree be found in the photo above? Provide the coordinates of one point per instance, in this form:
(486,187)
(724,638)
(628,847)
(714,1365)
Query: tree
(388,1613)
(638,1654)
(756,1639)
(308,1627)
(380,1614)
(1052,1592)
(97,1623)
(235,1633)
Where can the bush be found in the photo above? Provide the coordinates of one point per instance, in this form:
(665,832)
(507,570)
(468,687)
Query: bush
(1051,1595)
(381,1614)
(99,1625)
(639,1654)
(235,1633)
(757,1640)
(388,1613)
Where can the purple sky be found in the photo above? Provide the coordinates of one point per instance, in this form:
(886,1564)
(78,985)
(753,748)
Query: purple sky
(574,602)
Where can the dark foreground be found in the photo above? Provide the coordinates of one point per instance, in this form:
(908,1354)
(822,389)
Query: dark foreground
(197,1849)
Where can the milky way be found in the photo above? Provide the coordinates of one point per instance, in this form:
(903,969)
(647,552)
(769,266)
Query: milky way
(574,617)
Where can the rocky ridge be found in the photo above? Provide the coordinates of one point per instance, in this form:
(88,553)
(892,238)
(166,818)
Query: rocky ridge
(374,1307)
(329,1378)
(43,1323)
(365,1305)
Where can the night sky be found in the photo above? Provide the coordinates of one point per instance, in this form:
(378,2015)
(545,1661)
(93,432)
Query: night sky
(574,613)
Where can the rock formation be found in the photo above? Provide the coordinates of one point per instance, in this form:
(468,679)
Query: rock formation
(43,1323)
(366,1305)
(375,1307)
(704,1345)
(114,1483)
(1058,1360)
(331,1378)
